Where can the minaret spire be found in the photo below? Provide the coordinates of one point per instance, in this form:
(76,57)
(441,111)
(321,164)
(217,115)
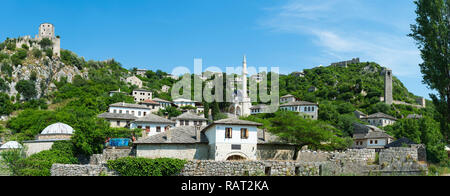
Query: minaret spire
(244,77)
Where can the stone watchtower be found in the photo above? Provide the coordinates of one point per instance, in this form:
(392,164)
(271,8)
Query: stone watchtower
(46,30)
(388,98)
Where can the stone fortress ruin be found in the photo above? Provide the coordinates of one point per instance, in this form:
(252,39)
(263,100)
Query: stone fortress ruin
(46,30)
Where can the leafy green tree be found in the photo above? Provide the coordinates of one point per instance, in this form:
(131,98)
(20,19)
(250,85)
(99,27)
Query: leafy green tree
(3,56)
(328,111)
(26,47)
(3,86)
(36,53)
(27,89)
(188,107)
(39,164)
(431,33)
(48,52)
(422,131)
(19,56)
(45,43)
(169,111)
(33,76)
(305,132)
(7,69)
(70,58)
(13,160)
(130,166)
(11,46)
(6,106)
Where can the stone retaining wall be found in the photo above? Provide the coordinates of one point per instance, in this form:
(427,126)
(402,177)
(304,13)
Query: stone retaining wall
(364,155)
(250,168)
(393,161)
(110,154)
(81,170)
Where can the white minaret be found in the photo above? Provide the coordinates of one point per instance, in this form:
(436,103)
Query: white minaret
(244,77)
(246,102)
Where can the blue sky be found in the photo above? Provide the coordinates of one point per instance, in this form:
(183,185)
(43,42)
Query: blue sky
(291,34)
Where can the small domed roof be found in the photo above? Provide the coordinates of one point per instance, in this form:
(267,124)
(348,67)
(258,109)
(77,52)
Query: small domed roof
(58,128)
(11,145)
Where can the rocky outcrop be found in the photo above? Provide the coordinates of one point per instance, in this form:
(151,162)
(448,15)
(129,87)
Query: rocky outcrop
(47,71)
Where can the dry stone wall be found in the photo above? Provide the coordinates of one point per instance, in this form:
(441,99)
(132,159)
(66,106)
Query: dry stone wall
(250,168)
(393,161)
(110,154)
(81,170)
(363,155)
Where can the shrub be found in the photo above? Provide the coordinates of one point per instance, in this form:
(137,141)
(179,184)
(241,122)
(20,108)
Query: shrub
(26,47)
(3,85)
(6,106)
(11,46)
(48,52)
(36,53)
(40,164)
(46,42)
(27,89)
(7,69)
(13,160)
(130,166)
(3,56)
(19,56)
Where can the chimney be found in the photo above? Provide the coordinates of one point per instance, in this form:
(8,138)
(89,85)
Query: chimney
(198,133)
(169,134)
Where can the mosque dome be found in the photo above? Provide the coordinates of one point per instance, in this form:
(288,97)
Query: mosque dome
(11,145)
(58,128)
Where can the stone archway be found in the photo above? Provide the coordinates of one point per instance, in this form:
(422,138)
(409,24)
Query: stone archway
(232,110)
(236,158)
(235,110)
(238,111)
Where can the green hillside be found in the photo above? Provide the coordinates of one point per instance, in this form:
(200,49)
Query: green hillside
(340,91)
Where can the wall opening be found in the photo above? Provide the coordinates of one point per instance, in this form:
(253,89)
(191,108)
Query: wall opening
(297,171)
(268,171)
(236,158)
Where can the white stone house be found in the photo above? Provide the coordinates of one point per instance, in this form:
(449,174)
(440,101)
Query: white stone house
(128,108)
(162,103)
(141,72)
(133,80)
(117,120)
(152,105)
(258,109)
(232,139)
(185,142)
(371,137)
(288,98)
(229,139)
(190,119)
(308,109)
(141,95)
(165,89)
(180,102)
(152,124)
(50,135)
(112,93)
(379,119)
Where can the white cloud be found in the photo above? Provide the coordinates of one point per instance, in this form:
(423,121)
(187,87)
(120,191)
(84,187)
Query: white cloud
(348,28)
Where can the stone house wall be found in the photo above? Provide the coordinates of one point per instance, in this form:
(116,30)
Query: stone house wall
(180,151)
(275,152)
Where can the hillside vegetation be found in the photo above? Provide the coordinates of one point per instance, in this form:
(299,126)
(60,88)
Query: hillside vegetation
(80,92)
